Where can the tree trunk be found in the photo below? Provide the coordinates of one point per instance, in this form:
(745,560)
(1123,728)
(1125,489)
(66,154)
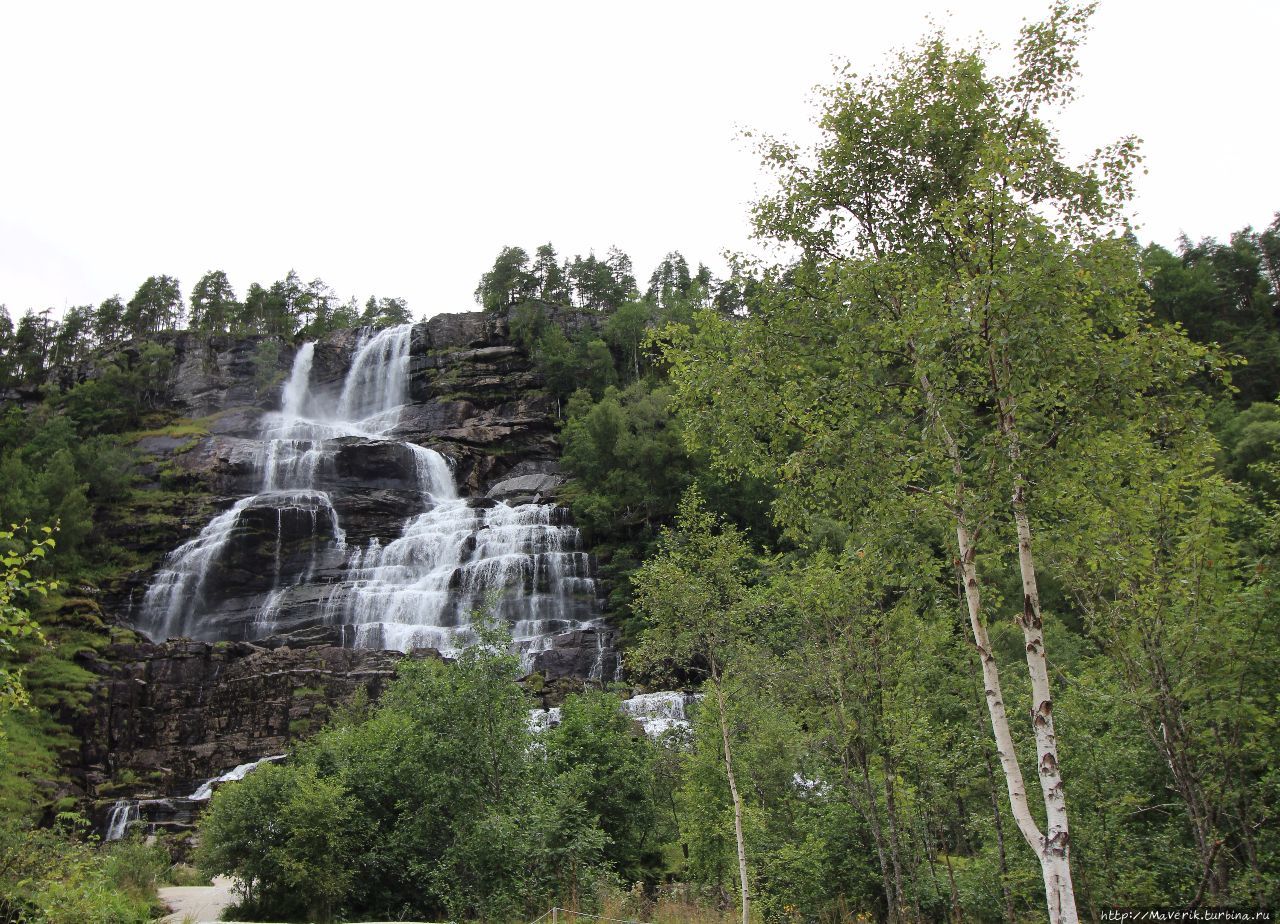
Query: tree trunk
(888,873)
(733,792)
(1009,915)
(873,819)
(956,915)
(889,771)
(893,901)
(1051,850)
(1174,742)
(1055,845)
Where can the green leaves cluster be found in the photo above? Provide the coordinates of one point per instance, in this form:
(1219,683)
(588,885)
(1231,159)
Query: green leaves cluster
(53,876)
(441,802)
(967,322)
(40,346)
(17,584)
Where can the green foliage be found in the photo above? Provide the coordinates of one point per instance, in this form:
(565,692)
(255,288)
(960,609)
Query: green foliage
(437,802)
(1178,603)
(385,312)
(213,303)
(1249,440)
(626,331)
(52,877)
(157,305)
(28,760)
(42,351)
(938,348)
(290,837)
(628,459)
(1226,294)
(604,766)
(266,365)
(18,553)
(507,283)
(691,592)
(49,474)
(570,364)
(126,386)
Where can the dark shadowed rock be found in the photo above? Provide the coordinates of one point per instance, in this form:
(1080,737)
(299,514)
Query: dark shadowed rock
(178,713)
(582,653)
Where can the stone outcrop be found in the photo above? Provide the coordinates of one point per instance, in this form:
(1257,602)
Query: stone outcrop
(166,718)
(174,714)
(169,715)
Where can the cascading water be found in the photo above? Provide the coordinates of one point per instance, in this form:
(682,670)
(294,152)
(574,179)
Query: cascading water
(123,814)
(419,590)
(204,792)
(451,558)
(657,713)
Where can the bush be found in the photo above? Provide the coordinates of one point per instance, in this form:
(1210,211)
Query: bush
(54,877)
(438,803)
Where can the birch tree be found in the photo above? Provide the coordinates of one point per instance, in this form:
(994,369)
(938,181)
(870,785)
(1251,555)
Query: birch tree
(691,593)
(963,302)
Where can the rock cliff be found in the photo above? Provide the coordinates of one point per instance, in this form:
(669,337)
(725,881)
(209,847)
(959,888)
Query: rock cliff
(174,711)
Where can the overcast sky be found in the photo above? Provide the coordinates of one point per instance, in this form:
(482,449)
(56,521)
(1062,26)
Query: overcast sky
(393,148)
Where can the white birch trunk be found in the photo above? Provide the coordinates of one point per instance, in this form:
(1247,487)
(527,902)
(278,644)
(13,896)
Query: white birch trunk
(1005,751)
(1051,849)
(1055,844)
(737,799)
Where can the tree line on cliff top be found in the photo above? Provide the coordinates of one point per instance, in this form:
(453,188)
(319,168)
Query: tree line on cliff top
(39,342)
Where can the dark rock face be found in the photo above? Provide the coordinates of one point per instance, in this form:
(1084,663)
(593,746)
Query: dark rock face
(178,713)
(575,654)
(172,716)
(212,373)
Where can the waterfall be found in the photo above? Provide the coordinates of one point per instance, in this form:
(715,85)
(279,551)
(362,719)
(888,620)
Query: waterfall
(123,814)
(204,791)
(453,556)
(661,711)
(181,582)
(420,589)
(378,379)
(657,713)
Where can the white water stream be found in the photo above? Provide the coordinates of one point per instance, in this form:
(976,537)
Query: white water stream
(204,791)
(419,589)
(657,713)
(122,814)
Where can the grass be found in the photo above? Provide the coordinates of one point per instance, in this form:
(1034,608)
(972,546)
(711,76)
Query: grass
(180,874)
(179,428)
(674,903)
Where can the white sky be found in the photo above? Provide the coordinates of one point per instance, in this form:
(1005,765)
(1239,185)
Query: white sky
(393,148)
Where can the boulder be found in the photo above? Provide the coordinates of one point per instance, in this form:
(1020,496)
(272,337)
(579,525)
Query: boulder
(582,653)
(525,488)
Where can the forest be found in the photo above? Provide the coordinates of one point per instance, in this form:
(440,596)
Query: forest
(962,517)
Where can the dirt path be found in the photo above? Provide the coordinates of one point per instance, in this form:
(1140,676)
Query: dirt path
(197,903)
